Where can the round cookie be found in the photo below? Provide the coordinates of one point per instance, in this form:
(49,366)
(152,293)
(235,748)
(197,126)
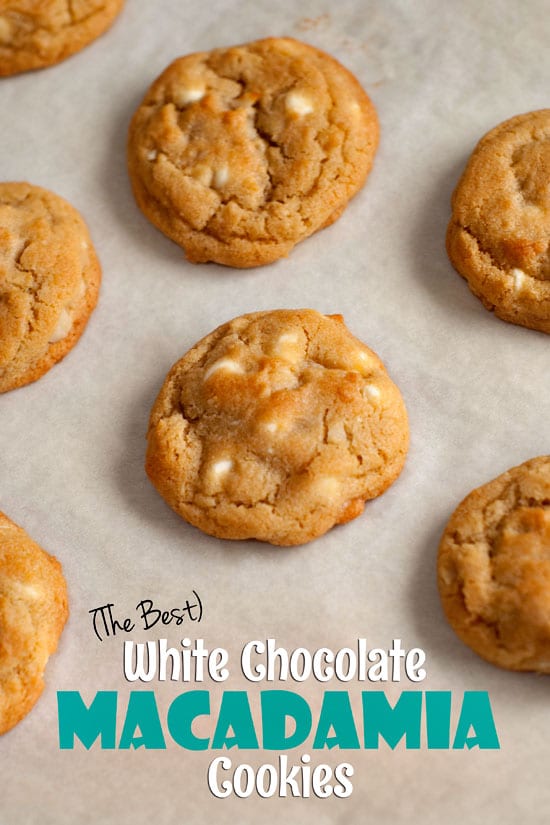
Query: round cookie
(494,568)
(276,426)
(499,234)
(33,612)
(49,281)
(38,33)
(237,154)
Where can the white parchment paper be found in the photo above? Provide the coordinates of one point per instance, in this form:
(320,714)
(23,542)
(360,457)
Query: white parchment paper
(477,391)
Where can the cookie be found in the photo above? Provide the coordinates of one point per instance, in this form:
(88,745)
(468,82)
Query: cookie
(494,568)
(499,234)
(38,33)
(237,154)
(49,281)
(33,612)
(276,426)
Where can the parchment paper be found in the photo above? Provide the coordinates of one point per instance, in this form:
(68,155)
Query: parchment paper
(477,391)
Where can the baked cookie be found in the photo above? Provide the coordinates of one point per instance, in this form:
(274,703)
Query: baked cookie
(276,426)
(499,234)
(49,281)
(494,568)
(38,33)
(237,154)
(33,612)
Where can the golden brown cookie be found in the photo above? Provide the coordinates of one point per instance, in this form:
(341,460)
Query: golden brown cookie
(38,33)
(237,154)
(49,281)
(494,568)
(33,612)
(276,426)
(499,234)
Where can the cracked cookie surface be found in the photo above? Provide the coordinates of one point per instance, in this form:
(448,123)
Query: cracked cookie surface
(494,568)
(276,426)
(39,33)
(499,234)
(33,612)
(237,154)
(49,281)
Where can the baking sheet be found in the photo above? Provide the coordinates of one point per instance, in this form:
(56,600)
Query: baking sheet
(477,391)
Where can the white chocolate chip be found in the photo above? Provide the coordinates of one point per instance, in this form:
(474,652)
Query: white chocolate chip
(221,176)
(287,338)
(277,425)
(371,392)
(192,94)
(216,472)
(363,362)
(298,104)
(222,467)
(336,433)
(152,154)
(79,294)
(227,364)
(519,279)
(63,327)
(287,347)
(203,174)
(17,246)
(326,487)
(27,591)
